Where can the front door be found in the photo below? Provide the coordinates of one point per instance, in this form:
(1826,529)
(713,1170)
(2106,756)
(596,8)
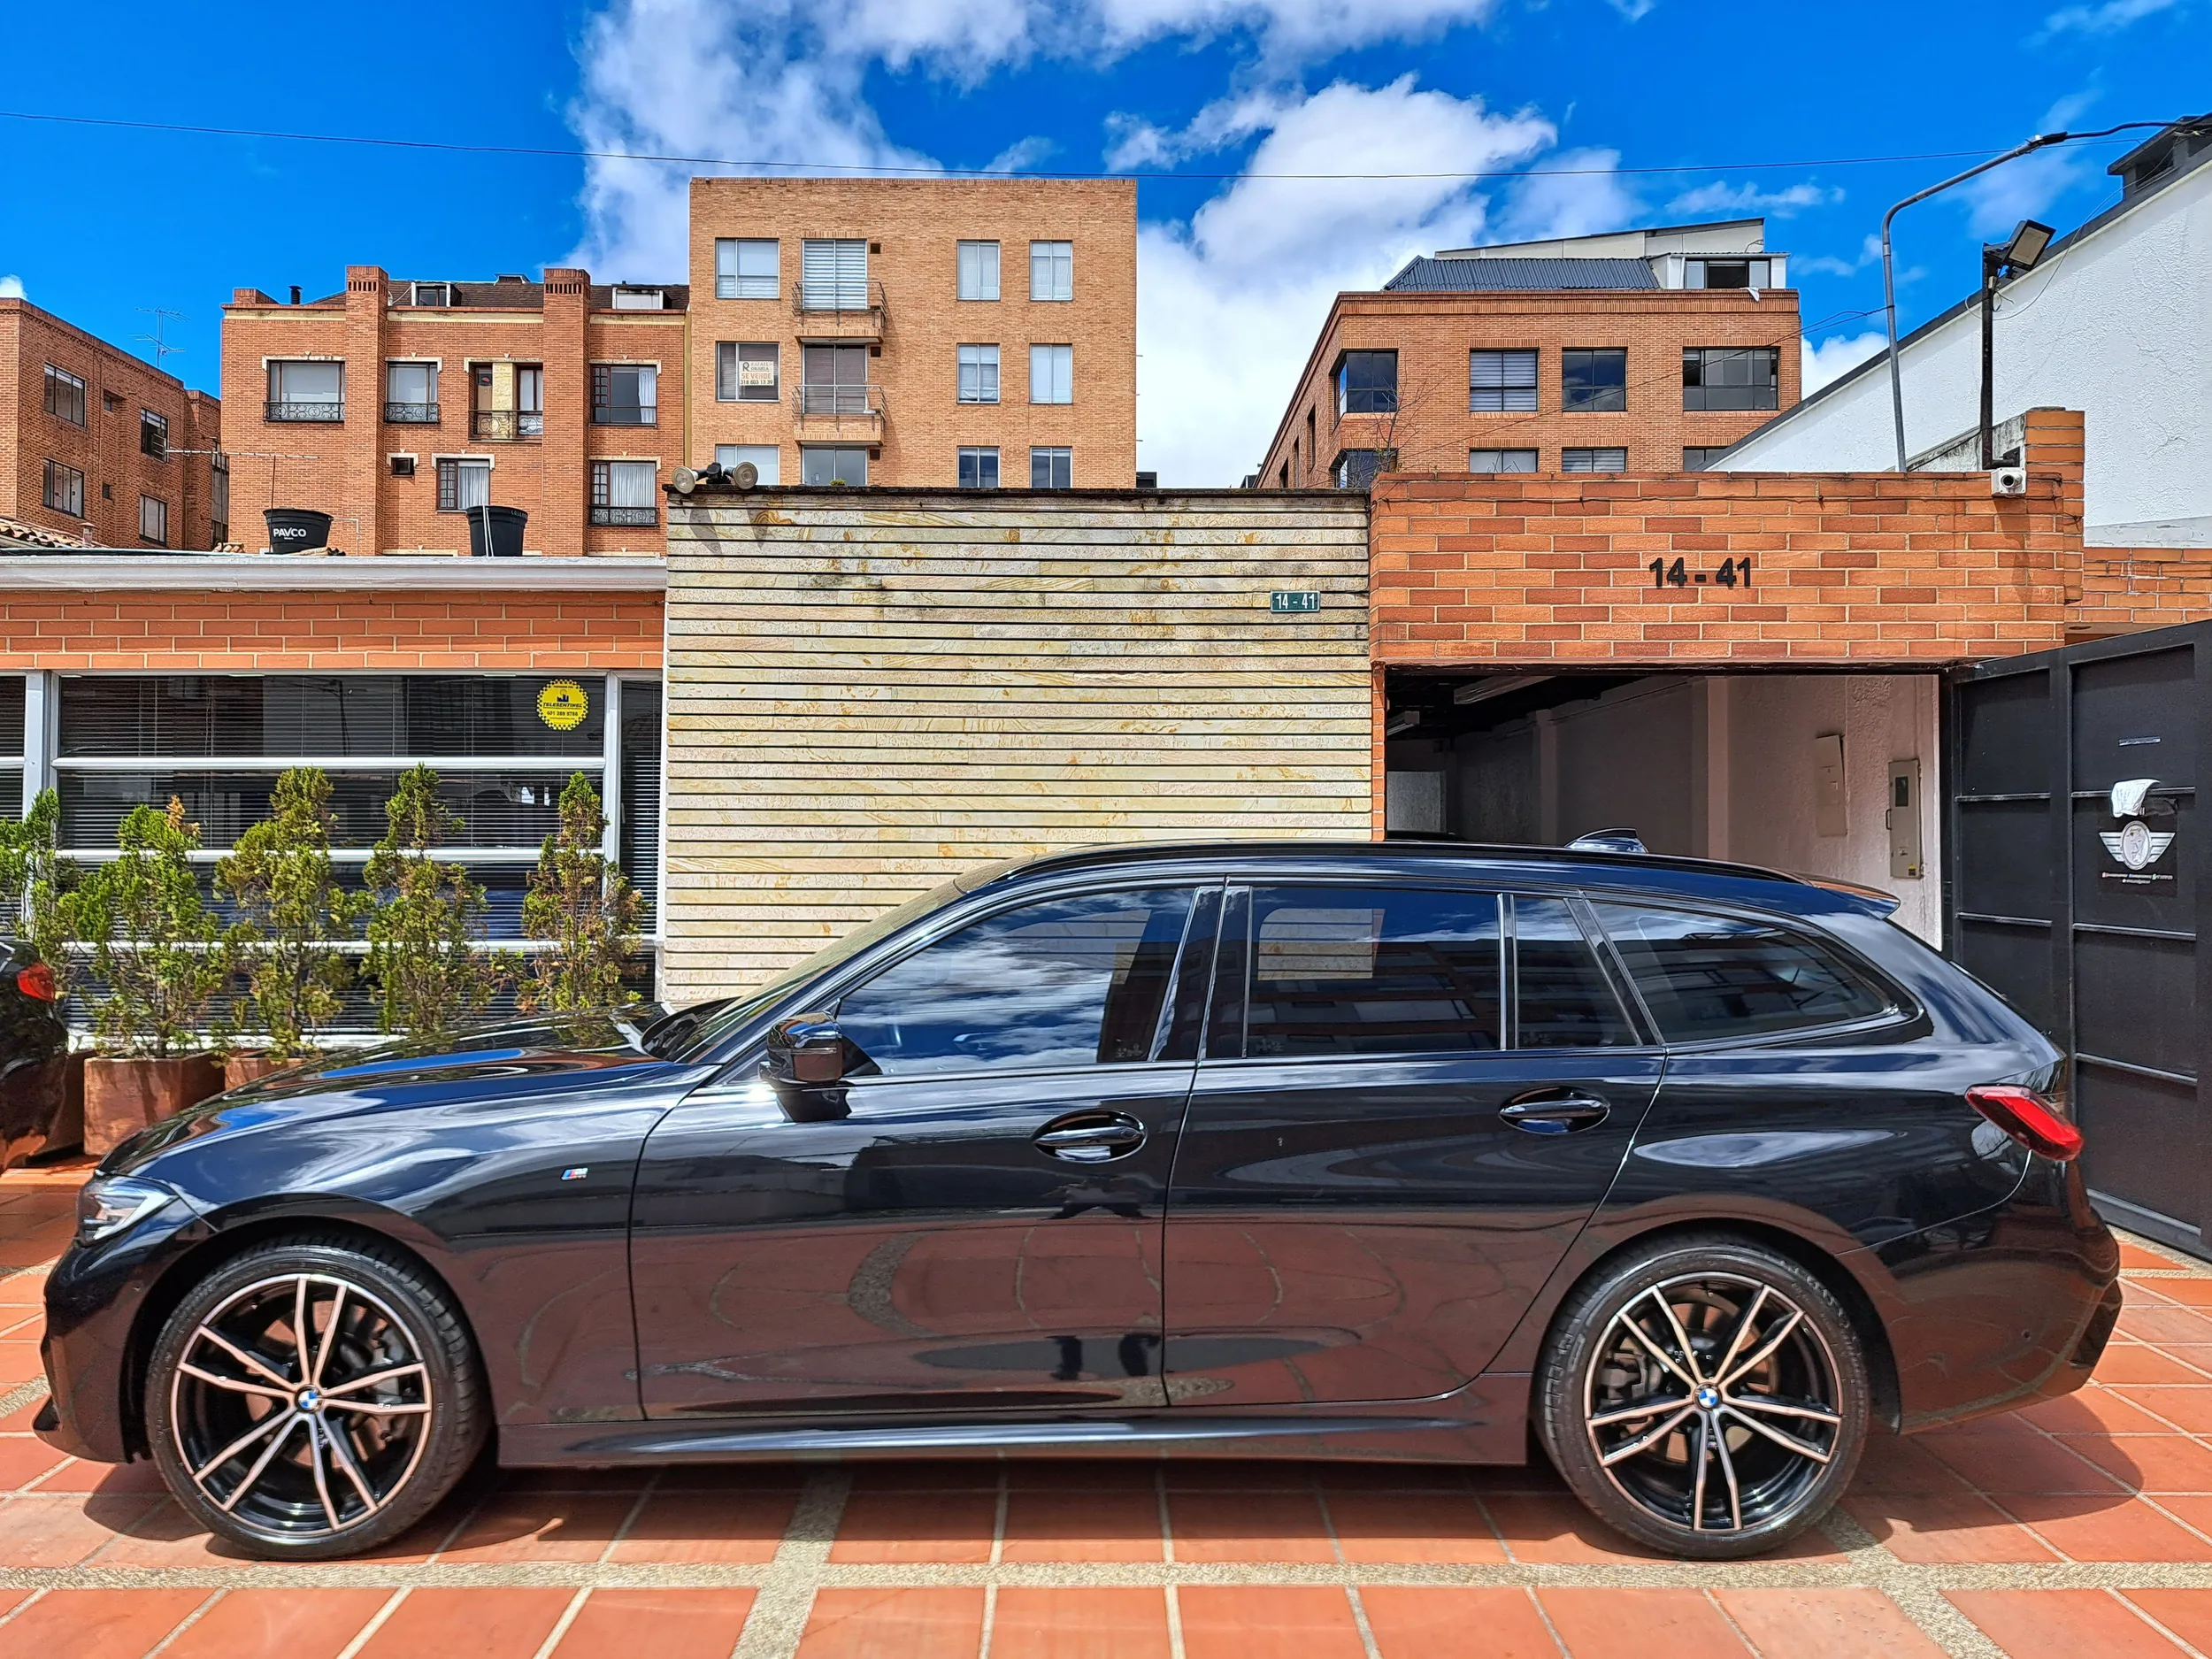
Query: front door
(981,1229)
(1413,1098)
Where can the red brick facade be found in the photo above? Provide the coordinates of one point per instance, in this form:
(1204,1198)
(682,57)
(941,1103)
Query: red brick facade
(104,448)
(1858,568)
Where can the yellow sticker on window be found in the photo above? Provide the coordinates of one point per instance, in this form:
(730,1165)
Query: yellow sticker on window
(562,706)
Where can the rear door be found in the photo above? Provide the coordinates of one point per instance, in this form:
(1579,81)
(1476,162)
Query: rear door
(1413,1097)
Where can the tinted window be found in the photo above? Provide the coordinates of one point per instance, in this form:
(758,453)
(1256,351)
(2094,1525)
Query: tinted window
(1705,977)
(1073,982)
(1372,971)
(1562,997)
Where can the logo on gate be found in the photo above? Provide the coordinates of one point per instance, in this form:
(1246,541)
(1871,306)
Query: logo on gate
(2135,846)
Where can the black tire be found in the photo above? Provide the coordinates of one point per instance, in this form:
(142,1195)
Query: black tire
(1630,1426)
(314,1471)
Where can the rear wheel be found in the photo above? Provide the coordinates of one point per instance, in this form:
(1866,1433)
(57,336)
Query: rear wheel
(1707,1396)
(314,1397)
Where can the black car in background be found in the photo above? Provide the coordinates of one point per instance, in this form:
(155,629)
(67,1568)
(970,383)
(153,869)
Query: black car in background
(1359,1150)
(34,1050)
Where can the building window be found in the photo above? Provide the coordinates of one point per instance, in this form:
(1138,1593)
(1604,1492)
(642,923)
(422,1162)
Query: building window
(625,395)
(65,395)
(624,493)
(1052,469)
(529,400)
(748,372)
(765,459)
(823,463)
(638,300)
(65,489)
(430,293)
(1367,383)
(1051,269)
(1358,469)
(153,520)
(1593,460)
(509,402)
(1052,375)
(1501,381)
(1722,378)
(834,275)
(1725,273)
(219,497)
(410,393)
(1592,379)
(463,482)
(1501,460)
(153,434)
(834,380)
(979,469)
(1697,457)
(109,403)
(978,374)
(307,391)
(745,269)
(979,270)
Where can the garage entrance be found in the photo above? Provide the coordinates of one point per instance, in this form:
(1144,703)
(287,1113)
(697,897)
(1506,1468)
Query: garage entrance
(2077,888)
(1817,773)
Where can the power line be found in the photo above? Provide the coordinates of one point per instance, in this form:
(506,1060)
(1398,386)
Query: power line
(963,173)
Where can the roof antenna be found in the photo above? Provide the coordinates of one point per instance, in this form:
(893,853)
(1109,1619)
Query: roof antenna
(162,348)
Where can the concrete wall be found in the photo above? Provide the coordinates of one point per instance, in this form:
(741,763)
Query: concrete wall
(2117,325)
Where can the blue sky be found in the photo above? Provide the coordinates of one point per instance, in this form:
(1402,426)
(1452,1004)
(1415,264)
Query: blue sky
(1236,270)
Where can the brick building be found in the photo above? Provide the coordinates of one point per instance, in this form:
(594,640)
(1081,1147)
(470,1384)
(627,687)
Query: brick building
(395,405)
(916,332)
(1642,351)
(100,447)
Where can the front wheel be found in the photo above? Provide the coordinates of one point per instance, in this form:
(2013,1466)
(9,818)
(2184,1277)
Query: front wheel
(314,1397)
(1707,1396)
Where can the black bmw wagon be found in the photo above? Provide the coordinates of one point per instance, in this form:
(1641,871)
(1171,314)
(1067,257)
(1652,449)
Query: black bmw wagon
(1689,1174)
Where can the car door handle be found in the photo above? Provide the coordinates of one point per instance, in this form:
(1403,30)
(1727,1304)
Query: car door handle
(1092,1138)
(1556,1111)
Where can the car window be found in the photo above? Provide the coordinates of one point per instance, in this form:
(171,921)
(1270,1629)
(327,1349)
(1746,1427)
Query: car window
(1069,982)
(1706,977)
(1344,971)
(1562,997)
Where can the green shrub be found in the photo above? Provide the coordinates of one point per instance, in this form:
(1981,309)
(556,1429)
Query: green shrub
(291,907)
(580,902)
(425,917)
(154,940)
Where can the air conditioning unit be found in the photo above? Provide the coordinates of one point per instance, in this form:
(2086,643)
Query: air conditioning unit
(402,465)
(2009,480)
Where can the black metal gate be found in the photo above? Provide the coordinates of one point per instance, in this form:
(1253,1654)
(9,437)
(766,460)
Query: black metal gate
(2075,881)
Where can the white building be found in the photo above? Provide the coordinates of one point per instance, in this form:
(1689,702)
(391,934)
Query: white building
(2116,322)
(1726,253)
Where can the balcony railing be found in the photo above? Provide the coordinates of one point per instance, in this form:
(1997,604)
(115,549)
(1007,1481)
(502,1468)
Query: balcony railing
(836,295)
(508,425)
(289,409)
(411,414)
(838,403)
(625,414)
(644,515)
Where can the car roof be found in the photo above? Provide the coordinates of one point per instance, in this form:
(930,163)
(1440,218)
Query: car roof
(1546,866)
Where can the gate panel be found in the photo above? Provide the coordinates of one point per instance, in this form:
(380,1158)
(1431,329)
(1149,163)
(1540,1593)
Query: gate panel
(2086,919)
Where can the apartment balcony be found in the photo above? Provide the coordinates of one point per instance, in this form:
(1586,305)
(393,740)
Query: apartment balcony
(845,312)
(316,413)
(507,425)
(411,414)
(643,517)
(854,412)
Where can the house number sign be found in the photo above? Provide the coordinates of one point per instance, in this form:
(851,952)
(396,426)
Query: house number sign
(1676,573)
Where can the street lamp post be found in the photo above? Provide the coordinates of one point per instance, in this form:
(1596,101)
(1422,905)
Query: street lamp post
(2025,246)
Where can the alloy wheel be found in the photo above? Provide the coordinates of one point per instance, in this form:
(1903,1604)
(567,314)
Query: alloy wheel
(1712,1403)
(301,1406)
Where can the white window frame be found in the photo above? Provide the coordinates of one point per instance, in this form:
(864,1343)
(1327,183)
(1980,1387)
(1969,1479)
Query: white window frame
(733,281)
(729,385)
(1052,453)
(976,270)
(1055,263)
(1594,458)
(1051,374)
(978,379)
(1501,456)
(160,515)
(998,476)
(767,460)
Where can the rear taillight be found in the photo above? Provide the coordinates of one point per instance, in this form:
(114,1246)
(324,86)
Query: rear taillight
(2028,1119)
(37,980)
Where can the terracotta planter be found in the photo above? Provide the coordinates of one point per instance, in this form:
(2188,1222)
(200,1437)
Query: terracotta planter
(122,1097)
(242,1069)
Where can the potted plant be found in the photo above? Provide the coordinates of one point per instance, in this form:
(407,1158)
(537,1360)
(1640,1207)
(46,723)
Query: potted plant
(164,959)
(579,903)
(45,1098)
(424,920)
(290,909)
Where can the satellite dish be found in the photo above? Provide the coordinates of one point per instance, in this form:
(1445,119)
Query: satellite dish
(685,480)
(746,475)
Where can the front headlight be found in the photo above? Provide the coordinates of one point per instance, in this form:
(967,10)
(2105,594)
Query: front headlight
(107,1206)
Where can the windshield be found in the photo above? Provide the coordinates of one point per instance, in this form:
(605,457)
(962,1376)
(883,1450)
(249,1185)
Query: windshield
(694,1033)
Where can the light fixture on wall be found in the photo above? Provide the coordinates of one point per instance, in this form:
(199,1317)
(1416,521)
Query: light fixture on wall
(2019,252)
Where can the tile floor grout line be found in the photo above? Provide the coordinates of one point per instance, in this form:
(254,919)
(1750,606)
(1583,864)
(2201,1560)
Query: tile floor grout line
(2144,1614)
(560,1625)
(1927,1609)
(644,1496)
(1544,1613)
(990,1618)
(998,1517)
(1167,1523)
(185,1624)
(1713,1601)
(376,1623)
(1360,1622)
(783,1591)
(1174,1622)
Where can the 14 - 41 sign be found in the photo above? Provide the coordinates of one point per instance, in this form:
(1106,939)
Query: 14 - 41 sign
(1728,574)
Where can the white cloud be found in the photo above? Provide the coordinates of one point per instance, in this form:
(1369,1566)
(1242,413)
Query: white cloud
(1828,265)
(1823,363)
(1634,11)
(12,287)
(2108,18)
(1719,197)
(1021,154)
(1579,194)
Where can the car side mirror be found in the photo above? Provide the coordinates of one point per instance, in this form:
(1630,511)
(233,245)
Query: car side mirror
(805,1062)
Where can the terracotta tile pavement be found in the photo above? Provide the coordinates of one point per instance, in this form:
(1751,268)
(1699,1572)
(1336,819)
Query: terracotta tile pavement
(2081,1528)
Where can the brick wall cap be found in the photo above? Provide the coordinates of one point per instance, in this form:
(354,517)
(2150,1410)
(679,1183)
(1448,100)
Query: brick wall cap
(257,572)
